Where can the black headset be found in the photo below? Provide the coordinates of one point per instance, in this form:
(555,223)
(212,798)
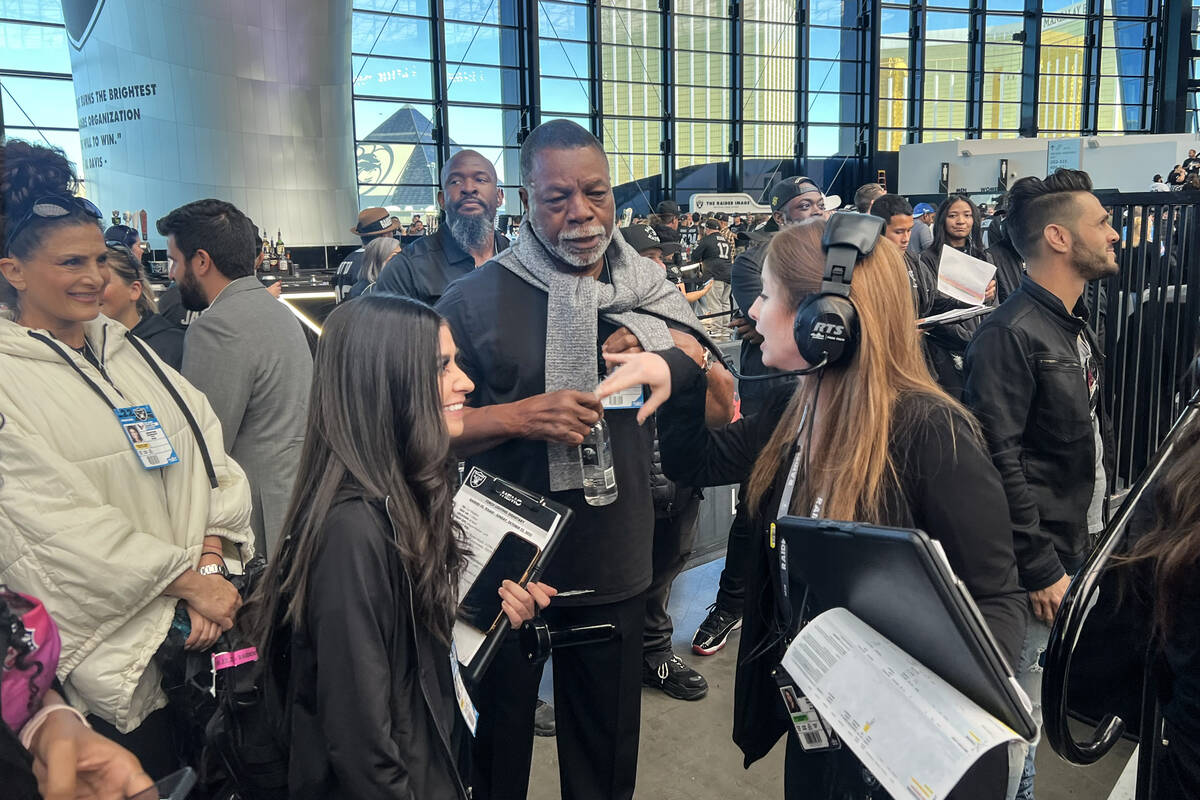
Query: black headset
(826,326)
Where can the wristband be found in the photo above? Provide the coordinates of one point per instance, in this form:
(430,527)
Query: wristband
(39,719)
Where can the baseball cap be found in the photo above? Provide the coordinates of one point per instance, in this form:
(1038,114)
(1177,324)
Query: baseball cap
(643,238)
(923,208)
(721,216)
(667,208)
(783,191)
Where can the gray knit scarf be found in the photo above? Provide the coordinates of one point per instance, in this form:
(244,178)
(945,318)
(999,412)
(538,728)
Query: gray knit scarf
(573,309)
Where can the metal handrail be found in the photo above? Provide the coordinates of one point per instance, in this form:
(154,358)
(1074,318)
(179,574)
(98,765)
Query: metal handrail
(1068,624)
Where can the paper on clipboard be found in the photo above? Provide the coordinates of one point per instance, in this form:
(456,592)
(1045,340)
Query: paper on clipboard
(963,277)
(487,508)
(916,733)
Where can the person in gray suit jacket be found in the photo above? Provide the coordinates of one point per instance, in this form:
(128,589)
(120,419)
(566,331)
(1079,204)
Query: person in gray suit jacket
(247,353)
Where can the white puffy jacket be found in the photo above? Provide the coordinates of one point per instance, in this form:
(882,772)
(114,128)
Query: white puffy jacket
(89,531)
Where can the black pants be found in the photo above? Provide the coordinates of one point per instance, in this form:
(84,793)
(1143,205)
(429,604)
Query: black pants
(1177,766)
(731,594)
(153,742)
(674,537)
(597,709)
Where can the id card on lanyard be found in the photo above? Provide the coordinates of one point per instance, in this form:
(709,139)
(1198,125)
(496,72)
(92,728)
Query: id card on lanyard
(139,423)
(814,734)
(146,436)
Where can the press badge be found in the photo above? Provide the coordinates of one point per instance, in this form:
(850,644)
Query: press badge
(815,735)
(626,398)
(465,706)
(146,436)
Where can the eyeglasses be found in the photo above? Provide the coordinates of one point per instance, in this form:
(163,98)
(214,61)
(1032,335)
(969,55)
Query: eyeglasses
(51,207)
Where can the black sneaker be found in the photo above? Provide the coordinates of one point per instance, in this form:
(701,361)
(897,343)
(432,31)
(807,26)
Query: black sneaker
(675,678)
(543,719)
(712,633)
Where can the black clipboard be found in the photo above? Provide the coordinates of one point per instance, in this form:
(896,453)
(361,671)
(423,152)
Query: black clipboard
(552,516)
(898,582)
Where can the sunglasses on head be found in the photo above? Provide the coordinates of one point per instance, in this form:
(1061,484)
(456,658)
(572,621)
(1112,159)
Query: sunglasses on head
(51,207)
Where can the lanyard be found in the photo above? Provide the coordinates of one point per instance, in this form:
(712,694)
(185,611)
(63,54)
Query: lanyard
(79,370)
(170,387)
(789,487)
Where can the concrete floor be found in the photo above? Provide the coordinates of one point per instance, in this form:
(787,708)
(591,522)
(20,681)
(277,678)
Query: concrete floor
(686,750)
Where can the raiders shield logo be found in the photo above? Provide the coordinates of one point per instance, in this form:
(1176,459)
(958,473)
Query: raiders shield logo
(476,479)
(140,414)
(80,17)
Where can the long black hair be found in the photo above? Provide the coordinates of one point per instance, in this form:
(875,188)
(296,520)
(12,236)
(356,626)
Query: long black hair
(974,246)
(375,427)
(1171,549)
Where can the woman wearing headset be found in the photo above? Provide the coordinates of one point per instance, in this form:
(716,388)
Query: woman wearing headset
(882,444)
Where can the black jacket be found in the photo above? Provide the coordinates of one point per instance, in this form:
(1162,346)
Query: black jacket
(374,714)
(746,286)
(1025,384)
(948,488)
(425,268)
(945,344)
(1010,268)
(164,338)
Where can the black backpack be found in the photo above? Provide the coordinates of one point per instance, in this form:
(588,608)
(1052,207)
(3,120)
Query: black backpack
(247,740)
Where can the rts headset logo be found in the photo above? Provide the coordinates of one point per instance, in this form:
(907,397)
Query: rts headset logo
(828,330)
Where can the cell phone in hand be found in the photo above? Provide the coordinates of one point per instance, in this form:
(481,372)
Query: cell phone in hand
(513,561)
(176,786)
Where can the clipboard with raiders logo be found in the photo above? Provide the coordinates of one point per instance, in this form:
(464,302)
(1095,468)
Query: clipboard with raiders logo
(509,533)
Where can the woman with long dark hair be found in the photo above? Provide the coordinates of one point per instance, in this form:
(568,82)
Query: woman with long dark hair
(957,224)
(129,300)
(1167,558)
(365,578)
(111,534)
(882,444)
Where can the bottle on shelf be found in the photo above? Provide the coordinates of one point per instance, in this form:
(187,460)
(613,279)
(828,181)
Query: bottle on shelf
(285,263)
(599,476)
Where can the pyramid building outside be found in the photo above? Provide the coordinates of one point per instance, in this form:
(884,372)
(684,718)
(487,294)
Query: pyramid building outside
(397,164)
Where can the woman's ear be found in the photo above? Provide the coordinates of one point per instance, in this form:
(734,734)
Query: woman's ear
(136,289)
(12,271)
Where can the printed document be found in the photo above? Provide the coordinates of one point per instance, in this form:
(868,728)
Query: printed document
(916,733)
(963,277)
(487,508)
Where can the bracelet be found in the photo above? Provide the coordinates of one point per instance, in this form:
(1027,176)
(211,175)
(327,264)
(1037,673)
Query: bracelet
(37,720)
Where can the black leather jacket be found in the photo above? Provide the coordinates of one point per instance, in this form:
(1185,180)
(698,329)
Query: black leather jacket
(1025,384)
(374,714)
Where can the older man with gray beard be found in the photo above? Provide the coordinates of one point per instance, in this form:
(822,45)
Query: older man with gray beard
(469,197)
(532,327)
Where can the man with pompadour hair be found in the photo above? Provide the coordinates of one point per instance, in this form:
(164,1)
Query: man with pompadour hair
(1033,379)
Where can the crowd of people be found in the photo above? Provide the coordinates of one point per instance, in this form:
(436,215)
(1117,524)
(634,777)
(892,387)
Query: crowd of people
(1185,176)
(147,467)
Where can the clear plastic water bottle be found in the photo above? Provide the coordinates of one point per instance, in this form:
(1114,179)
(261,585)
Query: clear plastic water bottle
(599,477)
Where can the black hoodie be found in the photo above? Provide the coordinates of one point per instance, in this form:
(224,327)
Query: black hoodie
(164,338)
